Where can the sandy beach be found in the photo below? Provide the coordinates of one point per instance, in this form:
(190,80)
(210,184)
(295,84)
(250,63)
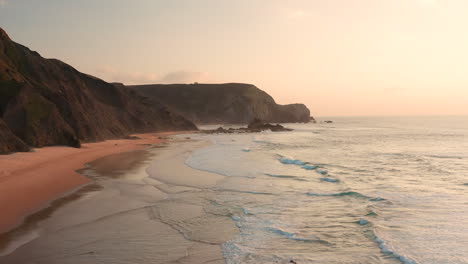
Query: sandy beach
(140,206)
(29,181)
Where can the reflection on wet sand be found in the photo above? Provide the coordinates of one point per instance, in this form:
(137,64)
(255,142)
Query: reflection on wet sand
(116,165)
(27,231)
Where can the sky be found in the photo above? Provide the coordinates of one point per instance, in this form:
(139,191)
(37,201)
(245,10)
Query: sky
(339,57)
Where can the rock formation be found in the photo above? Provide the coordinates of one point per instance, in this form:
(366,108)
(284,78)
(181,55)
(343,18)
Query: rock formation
(230,103)
(256,125)
(47,102)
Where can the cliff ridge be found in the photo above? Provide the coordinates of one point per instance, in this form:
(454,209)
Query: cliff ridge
(229,103)
(47,102)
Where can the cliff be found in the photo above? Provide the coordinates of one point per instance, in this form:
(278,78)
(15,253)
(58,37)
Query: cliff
(233,103)
(8,141)
(47,102)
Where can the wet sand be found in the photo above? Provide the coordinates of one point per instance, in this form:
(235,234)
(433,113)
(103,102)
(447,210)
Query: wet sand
(145,207)
(30,181)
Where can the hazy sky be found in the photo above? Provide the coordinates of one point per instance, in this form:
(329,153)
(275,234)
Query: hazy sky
(339,57)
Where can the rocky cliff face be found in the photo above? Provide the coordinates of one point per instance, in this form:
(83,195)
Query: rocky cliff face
(8,141)
(233,103)
(47,102)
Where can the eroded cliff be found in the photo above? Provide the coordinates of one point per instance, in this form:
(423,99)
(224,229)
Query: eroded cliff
(47,102)
(234,103)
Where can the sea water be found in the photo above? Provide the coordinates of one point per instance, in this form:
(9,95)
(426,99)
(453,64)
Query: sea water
(359,190)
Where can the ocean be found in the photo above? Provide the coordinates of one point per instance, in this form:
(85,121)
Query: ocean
(358,190)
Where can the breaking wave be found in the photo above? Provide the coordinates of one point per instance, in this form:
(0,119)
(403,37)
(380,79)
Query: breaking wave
(294,236)
(385,248)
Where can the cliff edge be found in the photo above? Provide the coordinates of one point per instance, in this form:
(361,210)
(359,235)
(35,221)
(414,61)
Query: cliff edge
(47,102)
(229,103)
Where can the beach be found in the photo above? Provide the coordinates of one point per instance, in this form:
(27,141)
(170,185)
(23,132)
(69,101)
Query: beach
(123,214)
(29,181)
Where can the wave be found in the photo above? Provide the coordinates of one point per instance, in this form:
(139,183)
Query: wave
(362,221)
(329,179)
(323,172)
(354,194)
(292,161)
(309,167)
(272,145)
(235,218)
(445,157)
(371,213)
(280,176)
(246,212)
(293,236)
(248,192)
(304,164)
(387,250)
(285,177)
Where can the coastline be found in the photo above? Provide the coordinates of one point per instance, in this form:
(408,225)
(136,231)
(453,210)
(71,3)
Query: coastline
(136,197)
(30,181)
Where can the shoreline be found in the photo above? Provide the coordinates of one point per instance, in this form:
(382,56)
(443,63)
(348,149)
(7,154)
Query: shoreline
(31,181)
(136,196)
